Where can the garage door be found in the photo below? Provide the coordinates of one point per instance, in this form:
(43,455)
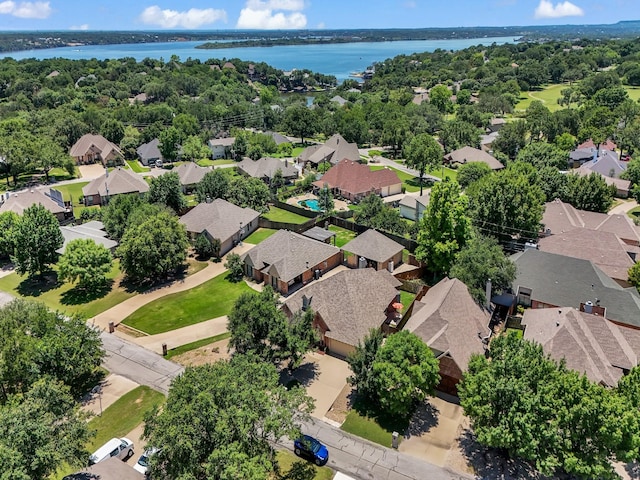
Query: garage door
(339,348)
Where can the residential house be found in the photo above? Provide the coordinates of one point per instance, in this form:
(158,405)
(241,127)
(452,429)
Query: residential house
(51,199)
(486,141)
(116,182)
(496,124)
(605,249)
(623,187)
(149,153)
(469,154)
(562,217)
(92,230)
(92,148)
(606,145)
(546,280)
(354,181)
(339,100)
(333,151)
(221,147)
(454,326)
(606,164)
(222,220)
(412,207)
(373,249)
(110,469)
(190,174)
(588,343)
(266,167)
(347,306)
(287,261)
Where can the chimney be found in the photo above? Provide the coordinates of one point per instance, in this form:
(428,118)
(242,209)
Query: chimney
(488,293)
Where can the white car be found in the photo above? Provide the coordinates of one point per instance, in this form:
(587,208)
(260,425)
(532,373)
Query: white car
(121,448)
(142,464)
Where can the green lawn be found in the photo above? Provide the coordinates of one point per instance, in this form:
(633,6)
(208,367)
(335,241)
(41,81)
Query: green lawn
(276,214)
(136,167)
(62,174)
(343,236)
(207,162)
(294,153)
(173,352)
(371,429)
(406,298)
(71,191)
(64,297)
(259,235)
(287,459)
(212,299)
(550,94)
(634,213)
(445,172)
(409,182)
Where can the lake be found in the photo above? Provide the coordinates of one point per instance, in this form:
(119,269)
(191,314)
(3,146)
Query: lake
(339,59)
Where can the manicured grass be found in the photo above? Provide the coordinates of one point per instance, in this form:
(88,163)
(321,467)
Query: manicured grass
(276,214)
(136,167)
(406,298)
(550,94)
(71,191)
(375,153)
(197,344)
(634,213)
(62,174)
(124,415)
(519,333)
(64,297)
(207,162)
(409,182)
(343,236)
(211,299)
(368,428)
(259,235)
(445,172)
(287,459)
(294,153)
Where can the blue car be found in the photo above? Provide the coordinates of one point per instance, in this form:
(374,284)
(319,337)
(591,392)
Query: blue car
(309,447)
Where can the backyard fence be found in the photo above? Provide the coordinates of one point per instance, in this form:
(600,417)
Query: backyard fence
(293,209)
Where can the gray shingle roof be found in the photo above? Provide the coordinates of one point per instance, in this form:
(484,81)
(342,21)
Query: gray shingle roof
(334,150)
(373,245)
(87,231)
(319,233)
(119,181)
(220,219)
(18,202)
(449,320)
(286,255)
(191,173)
(267,167)
(566,282)
(350,302)
(93,142)
(470,154)
(589,343)
(150,150)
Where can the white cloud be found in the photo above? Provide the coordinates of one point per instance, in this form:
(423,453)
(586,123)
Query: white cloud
(192,18)
(546,9)
(264,15)
(84,26)
(39,10)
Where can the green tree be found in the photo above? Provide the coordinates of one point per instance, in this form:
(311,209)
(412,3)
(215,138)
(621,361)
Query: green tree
(235,266)
(155,248)
(325,200)
(214,184)
(115,215)
(169,141)
(361,363)
(249,192)
(49,156)
(7,222)
(277,181)
(458,133)
(204,247)
(511,138)
(543,154)
(424,154)
(471,172)
(301,121)
(36,238)
(113,130)
(220,420)
(193,149)
(507,203)
(186,124)
(440,97)
(538,120)
(405,372)
(41,431)
(482,259)
(589,192)
(167,190)
(444,228)
(634,275)
(86,262)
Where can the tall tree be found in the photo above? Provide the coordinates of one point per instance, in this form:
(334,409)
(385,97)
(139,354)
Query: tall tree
(511,138)
(325,200)
(471,172)
(301,121)
(249,192)
(167,190)
(589,192)
(153,249)
(458,133)
(193,149)
(115,215)
(220,420)
(36,238)
(444,228)
(169,141)
(424,154)
(361,363)
(440,97)
(543,154)
(86,262)
(7,221)
(214,184)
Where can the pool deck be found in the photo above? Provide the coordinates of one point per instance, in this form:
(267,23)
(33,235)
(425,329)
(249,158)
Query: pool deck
(338,205)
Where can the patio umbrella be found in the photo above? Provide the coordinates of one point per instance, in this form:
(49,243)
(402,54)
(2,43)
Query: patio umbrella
(397,306)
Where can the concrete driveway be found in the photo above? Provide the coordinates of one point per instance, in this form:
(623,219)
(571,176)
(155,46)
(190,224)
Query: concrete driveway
(324,377)
(109,390)
(89,172)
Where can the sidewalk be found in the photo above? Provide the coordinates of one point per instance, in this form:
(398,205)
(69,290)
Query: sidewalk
(121,311)
(623,208)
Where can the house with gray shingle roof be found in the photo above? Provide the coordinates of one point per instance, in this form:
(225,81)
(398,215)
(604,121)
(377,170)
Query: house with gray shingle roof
(190,175)
(51,199)
(453,325)
(287,261)
(333,151)
(117,182)
(92,148)
(222,220)
(347,306)
(469,154)
(266,167)
(588,343)
(93,230)
(413,207)
(220,147)
(149,152)
(373,249)
(546,280)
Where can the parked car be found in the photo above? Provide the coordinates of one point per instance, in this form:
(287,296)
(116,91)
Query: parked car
(142,465)
(121,448)
(309,447)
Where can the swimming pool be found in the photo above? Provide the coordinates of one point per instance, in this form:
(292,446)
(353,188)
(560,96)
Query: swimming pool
(310,204)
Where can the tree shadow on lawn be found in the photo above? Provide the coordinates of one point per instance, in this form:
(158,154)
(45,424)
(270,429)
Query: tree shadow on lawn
(150,284)
(80,296)
(36,286)
(386,420)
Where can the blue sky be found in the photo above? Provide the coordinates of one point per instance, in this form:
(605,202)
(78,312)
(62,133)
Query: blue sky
(311,14)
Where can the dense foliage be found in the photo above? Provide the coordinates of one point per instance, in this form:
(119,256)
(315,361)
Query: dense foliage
(86,262)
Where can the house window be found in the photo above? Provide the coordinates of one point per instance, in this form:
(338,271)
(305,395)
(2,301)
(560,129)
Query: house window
(249,271)
(90,200)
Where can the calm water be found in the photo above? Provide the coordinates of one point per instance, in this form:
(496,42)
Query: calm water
(333,59)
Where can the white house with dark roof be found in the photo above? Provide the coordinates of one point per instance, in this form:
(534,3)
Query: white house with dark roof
(412,207)
(373,249)
(221,147)
(222,220)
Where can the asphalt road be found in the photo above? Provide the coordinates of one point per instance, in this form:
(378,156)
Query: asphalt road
(348,454)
